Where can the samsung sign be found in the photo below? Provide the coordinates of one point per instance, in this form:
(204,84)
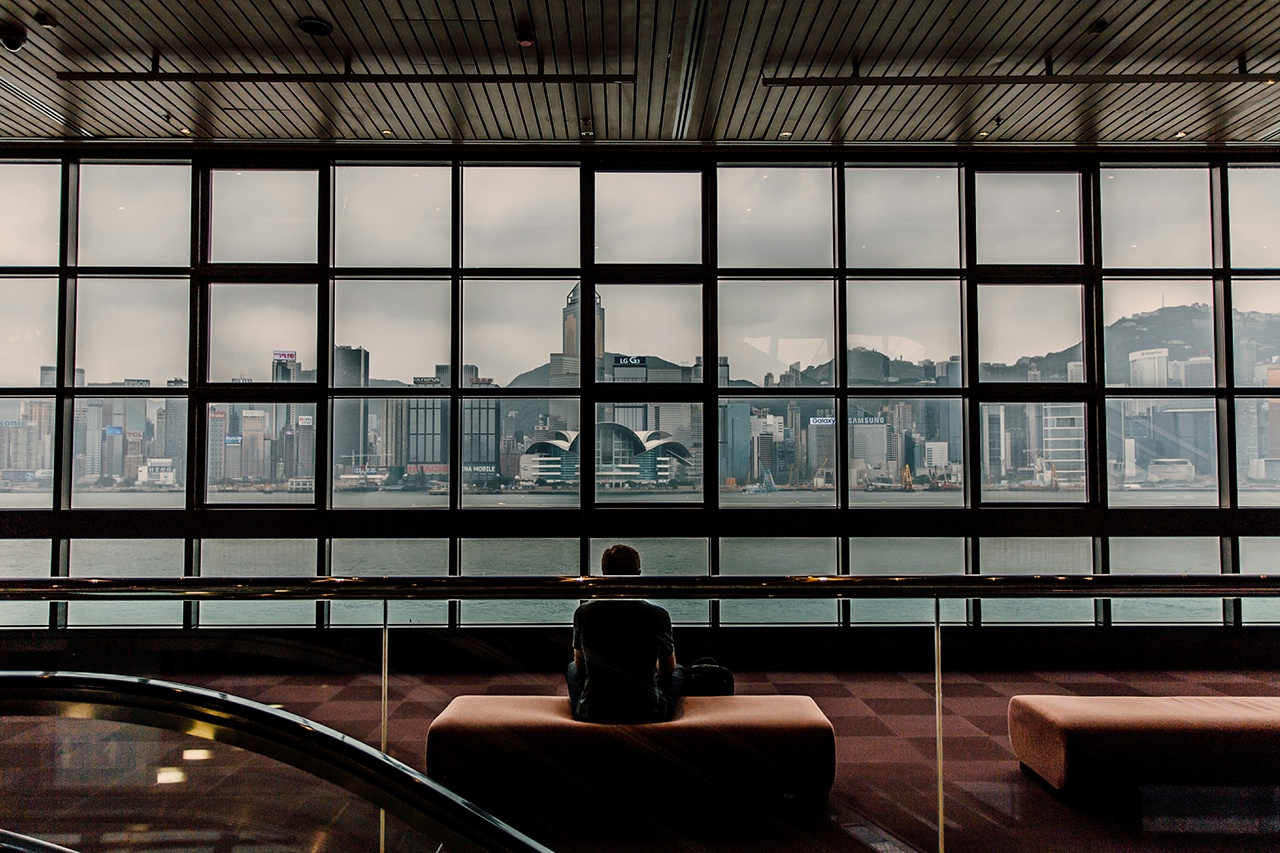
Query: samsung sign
(822,421)
(868,419)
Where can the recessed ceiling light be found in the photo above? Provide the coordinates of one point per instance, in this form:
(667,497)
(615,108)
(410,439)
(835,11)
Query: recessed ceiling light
(786,134)
(1268,82)
(386,133)
(1180,134)
(315,26)
(982,133)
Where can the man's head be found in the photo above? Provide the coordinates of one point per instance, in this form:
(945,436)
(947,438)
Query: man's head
(620,560)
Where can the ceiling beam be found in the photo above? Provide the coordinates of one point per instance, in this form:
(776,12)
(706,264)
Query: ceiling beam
(1020,80)
(360,79)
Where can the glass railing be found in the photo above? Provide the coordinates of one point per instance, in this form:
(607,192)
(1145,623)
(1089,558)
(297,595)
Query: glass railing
(397,690)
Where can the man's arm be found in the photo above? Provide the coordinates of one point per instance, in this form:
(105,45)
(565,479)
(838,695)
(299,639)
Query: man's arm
(580,660)
(667,664)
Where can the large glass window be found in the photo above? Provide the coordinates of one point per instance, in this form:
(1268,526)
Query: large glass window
(28,331)
(904,217)
(402,327)
(902,451)
(1156,218)
(520,216)
(1184,555)
(780,556)
(776,217)
(1034,452)
(257,558)
(666,557)
(1255,324)
(1021,555)
(775,333)
(392,216)
(261,453)
(654,333)
(778,452)
(1162,451)
(126,558)
(521,558)
(129,452)
(264,216)
(1030,333)
(650,452)
(1259,555)
(904,332)
(27,427)
(648,217)
(1159,333)
(131,331)
(389,558)
(902,557)
(135,214)
(23,558)
(262,333)
(1028,218)
(29,230)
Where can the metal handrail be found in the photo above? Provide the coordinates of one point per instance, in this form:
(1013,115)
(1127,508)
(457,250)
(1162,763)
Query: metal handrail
(302,743)
(782,586)
(12,842)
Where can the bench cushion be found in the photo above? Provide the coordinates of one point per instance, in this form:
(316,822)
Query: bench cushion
(1073,742)
(489,748)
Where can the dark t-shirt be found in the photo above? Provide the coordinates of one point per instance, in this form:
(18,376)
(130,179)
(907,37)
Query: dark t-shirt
(622,642)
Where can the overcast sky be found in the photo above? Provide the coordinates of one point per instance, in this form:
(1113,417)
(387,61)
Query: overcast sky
(527,218)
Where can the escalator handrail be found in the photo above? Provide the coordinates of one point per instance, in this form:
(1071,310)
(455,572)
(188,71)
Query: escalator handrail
(275,733)
(12,842)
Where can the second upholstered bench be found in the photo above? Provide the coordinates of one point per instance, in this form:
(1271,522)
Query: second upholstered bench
(1079,742)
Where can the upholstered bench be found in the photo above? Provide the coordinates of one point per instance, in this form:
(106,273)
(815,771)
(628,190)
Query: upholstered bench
(1080,742)
(492,749)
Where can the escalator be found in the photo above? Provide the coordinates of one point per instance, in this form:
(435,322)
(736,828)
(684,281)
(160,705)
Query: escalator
(108,763)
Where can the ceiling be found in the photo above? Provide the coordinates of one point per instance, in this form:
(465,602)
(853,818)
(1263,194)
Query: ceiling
(817,71)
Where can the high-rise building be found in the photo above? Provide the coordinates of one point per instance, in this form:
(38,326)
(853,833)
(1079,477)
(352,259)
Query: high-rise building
(1149,368)
(217,444)
(351,415)
(253,432)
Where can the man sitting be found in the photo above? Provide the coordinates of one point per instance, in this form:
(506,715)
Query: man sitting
(624,661)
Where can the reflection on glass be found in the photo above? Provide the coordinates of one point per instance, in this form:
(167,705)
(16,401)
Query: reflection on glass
(29,230)
(1158,333)
(28,330)
(519,452)
(645,452)
(648,217)
(776,217)
(1255,325)
(24,558)
(389,558)
(524,216)
(1030,333)
(130,452)
(776,333)
(1259,555)
(902,558)
(1034,452)
(390,452)
(135,214)
(402,325)
(1150,555)
(1037,556)
(1162,452)
(519,558)
(264,216)
(779,556)
(126,558)
(1255,216)
(262,332)
(261,453)
(904,332)
(1156,218)
(257,558)
(654,333)
(1258,450)
(1028,218)
(26,452)
(151,314)
(903,217)
(905,452)
(392,216)
(778,452)
(524,333)
(666,557)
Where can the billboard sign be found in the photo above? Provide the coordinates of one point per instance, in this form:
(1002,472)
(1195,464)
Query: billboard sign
(306,420)
(113,430)
(137,383)
(868,419)
(822,421)
(233,440)
(623,360)
(284,355)
(18,424)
